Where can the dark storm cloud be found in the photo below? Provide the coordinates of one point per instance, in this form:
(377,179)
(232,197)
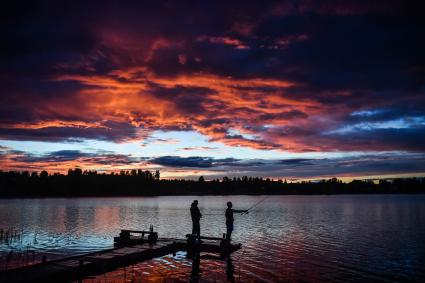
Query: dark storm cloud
(72,134)
(296,161)
(376,55)
(187,99)
(412,139)
(377,164)
(193,162)
(56,156)
(286,115)
(70,156)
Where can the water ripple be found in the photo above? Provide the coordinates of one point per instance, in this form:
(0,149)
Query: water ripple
(286,238)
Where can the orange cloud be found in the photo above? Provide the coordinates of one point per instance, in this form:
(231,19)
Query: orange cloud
(127,96)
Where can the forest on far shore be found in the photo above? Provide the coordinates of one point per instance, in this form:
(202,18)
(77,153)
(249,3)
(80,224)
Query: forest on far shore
(78,183)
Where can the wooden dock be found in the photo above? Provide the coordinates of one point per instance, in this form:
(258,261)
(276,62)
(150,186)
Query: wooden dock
(78,267)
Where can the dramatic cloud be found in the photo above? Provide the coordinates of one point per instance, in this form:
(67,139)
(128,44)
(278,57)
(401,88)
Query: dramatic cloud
(61,161)
(296,168)
(350,167)
(293,76)
(197,162)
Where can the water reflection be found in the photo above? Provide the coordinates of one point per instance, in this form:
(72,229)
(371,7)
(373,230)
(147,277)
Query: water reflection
(196,261)
(311,238)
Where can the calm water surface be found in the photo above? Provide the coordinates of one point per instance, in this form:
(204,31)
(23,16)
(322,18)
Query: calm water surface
(285,238)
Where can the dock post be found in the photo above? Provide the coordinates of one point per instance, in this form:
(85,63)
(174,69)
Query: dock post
(174,248)
(196,260)
(80,271)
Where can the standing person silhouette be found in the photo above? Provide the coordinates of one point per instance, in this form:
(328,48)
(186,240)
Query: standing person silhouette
(229,219)
(196,217)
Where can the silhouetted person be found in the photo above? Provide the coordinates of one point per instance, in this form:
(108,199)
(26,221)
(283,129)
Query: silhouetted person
(229,219)
(196,217)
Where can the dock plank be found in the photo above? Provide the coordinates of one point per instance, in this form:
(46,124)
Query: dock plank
(94,263)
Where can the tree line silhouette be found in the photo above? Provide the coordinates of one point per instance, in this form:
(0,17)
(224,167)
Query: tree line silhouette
(145,183)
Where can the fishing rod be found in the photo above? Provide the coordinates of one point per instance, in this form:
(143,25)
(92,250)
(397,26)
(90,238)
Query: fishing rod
(246,212)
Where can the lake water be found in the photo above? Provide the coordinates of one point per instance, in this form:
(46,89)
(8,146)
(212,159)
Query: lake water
(285,238)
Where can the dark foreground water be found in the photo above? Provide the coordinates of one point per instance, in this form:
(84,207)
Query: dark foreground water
(285,238)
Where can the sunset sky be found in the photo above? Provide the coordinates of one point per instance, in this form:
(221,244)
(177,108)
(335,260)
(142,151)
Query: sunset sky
(293,89)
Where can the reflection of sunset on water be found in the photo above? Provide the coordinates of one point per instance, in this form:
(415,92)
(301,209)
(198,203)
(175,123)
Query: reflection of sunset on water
(283,238)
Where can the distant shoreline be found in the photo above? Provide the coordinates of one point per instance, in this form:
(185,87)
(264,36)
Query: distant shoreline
(205,195)
(144,183)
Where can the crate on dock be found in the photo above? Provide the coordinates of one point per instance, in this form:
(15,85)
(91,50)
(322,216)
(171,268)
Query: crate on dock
(129,237)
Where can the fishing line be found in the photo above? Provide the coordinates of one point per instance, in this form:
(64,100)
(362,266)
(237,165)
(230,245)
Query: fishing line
(246,212)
